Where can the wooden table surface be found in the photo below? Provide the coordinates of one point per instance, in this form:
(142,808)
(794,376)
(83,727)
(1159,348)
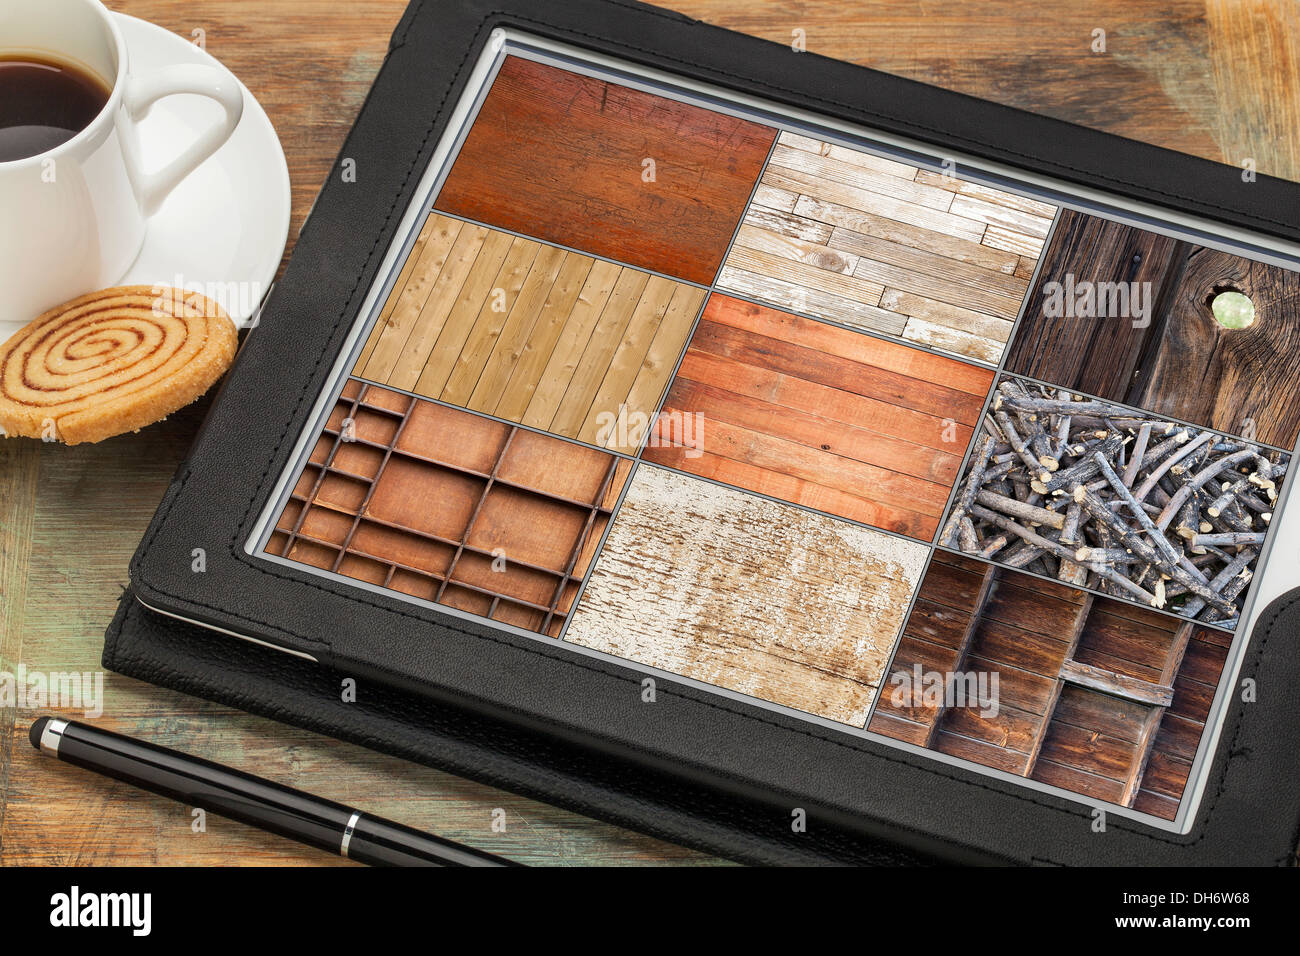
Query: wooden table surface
(1217,78)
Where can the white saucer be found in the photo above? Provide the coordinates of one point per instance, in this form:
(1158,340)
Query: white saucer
(223,229)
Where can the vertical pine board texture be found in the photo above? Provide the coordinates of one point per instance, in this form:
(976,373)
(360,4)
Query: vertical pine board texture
(531,333)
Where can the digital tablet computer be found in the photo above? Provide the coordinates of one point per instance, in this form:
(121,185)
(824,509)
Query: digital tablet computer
(875,452)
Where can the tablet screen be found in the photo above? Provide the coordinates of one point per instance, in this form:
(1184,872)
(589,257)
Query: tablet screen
(976,464)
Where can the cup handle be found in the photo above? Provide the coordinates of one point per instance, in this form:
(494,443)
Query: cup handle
(141,92)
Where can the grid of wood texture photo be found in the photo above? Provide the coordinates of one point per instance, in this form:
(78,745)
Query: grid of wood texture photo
(718,400)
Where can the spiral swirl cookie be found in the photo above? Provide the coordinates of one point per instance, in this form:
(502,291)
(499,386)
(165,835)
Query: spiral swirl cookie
(112,362)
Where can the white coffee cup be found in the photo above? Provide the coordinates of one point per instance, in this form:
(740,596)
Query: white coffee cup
(72,219)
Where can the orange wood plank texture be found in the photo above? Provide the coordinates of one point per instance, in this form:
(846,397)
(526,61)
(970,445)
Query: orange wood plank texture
(821,416)
(567,159)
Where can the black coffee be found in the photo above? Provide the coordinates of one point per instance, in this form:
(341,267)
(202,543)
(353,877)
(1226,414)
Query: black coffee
(44,103)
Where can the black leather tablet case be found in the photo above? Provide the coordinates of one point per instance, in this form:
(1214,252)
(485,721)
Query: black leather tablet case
(696,769)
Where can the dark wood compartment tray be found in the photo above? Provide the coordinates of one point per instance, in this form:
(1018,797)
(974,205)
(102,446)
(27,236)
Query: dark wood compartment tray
(450,507)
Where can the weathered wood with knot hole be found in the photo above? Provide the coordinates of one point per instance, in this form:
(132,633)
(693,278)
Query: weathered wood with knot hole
(1148,338)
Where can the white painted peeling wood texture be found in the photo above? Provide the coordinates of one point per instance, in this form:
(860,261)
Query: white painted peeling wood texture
(744,593)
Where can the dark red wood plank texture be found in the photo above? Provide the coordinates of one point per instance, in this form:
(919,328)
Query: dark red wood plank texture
(567,159)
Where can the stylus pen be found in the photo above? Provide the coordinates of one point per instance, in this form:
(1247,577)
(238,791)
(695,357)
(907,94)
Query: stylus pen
(241,796)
